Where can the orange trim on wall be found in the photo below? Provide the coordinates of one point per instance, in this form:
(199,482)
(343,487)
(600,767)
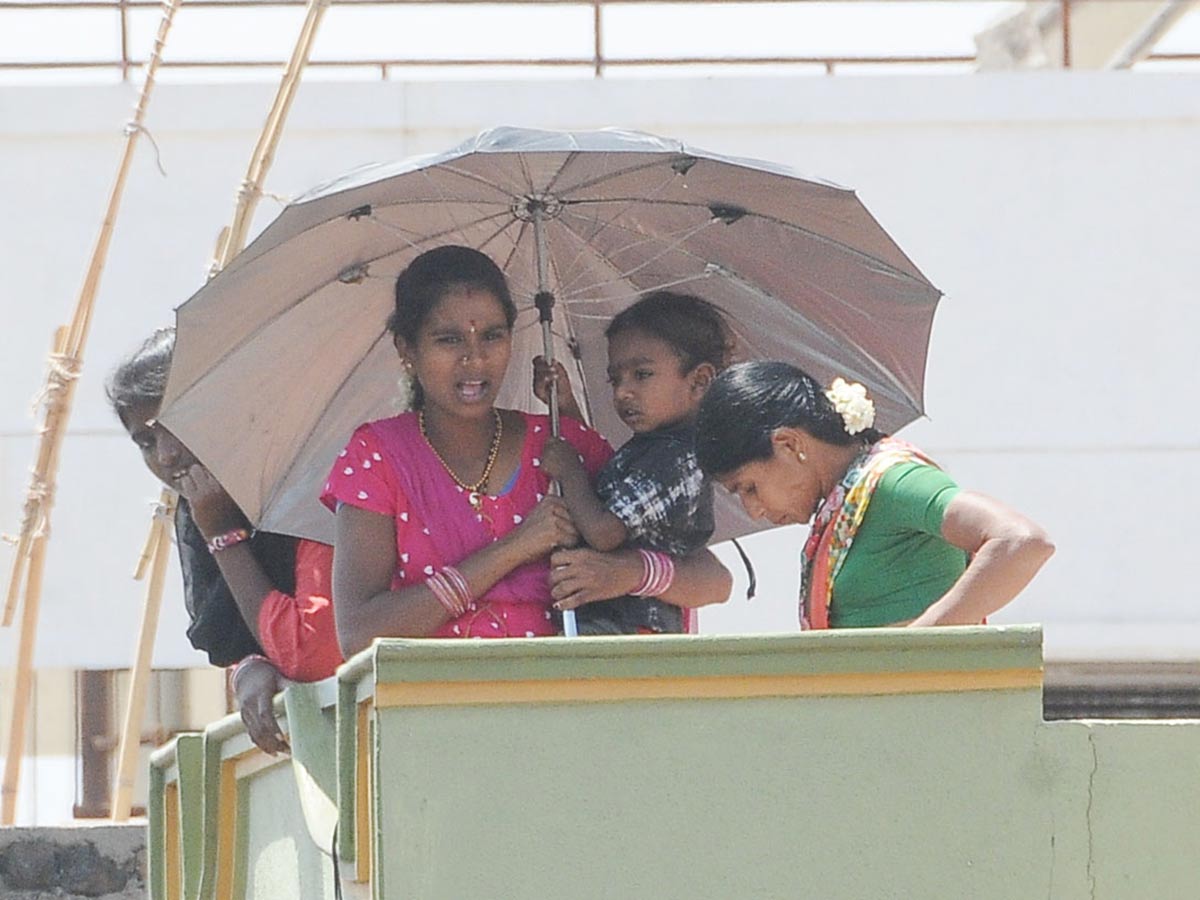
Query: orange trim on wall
(172,842)
(363,813)
(227,804)
(712,687)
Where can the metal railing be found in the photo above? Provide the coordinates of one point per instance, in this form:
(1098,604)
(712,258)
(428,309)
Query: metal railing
(597,61)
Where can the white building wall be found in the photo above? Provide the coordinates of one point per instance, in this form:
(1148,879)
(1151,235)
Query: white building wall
(1056,210)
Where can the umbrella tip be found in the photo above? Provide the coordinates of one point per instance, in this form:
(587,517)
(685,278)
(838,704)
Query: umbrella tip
(353,274)
(684,164)
(359,212)
(726,213)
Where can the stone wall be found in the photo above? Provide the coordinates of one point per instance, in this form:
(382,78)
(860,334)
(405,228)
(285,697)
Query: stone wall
(94,861)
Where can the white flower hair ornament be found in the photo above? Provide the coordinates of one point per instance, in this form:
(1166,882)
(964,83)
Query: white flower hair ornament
(850,401)
(405,390)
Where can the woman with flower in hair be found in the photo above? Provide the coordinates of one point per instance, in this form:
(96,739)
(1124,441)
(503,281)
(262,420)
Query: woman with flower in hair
(894,541)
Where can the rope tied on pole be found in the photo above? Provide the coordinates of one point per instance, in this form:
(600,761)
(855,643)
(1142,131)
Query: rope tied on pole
(133,127)
(34,521)
(62,369)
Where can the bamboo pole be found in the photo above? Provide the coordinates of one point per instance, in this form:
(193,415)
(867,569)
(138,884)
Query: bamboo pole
(140,677)
(158,544)
(167,500)
(65,365)
(233,239)
(23,681)
(57,397)
(31,575)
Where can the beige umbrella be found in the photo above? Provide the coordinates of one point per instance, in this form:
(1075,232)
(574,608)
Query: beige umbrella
(284,352)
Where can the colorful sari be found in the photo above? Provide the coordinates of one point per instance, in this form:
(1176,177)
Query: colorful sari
(837,520)
(389,468)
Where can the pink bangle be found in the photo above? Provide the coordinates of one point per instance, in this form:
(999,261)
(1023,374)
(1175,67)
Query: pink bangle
(240,667)
(658,574)
(228,539)
(452,591)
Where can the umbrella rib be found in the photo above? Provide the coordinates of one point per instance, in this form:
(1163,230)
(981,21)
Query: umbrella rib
(301,299)
(448,208)
(605,224)
(738,281)
(495,234)
(558,173)
(472,177)
(572,341)
(572,155)
(404,233)
(676,245)
(670,157)
(648,289)
(516,245)
(281,481)
(783,223)
(710,266)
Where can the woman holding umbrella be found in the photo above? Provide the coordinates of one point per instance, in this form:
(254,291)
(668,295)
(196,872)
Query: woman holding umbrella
(894,541)
(445,522)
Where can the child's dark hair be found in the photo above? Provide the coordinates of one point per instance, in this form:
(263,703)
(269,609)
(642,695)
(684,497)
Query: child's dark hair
(748,402)
(142,377)
(694,328)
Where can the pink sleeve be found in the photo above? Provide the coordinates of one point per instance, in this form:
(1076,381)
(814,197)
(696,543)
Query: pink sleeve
(298,633)
(362,477)
(591,445)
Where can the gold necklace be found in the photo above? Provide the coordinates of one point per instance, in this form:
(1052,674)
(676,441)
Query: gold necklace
(474,491)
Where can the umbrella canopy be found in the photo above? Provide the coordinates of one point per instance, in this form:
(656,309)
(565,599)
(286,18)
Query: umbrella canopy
(284,352)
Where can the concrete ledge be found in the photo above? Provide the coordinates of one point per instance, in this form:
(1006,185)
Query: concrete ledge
(95,861)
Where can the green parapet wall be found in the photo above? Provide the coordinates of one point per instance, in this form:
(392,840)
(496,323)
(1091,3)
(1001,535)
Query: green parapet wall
(878,763)
(175,812)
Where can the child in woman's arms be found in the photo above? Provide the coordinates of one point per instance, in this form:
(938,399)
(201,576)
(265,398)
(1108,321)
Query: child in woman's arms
(663,351)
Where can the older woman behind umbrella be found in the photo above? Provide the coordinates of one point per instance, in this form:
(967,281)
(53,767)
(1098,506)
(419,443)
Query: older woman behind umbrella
(894,541)
(246,593)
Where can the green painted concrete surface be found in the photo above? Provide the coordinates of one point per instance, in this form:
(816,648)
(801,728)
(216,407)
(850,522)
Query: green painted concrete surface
(959,794)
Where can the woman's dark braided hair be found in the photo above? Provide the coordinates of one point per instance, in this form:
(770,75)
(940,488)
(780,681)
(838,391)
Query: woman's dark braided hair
(748,402)
(694,329)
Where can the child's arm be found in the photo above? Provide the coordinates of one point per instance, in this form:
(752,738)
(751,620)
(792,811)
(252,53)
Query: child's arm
(600,528)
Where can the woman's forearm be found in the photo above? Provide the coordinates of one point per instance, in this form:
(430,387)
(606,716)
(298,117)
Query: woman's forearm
(999,571)
(1007,550)
(415,611)
(700,580)
(247,581)
(585,576)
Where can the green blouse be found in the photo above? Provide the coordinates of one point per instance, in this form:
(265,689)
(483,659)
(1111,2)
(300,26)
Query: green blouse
(899,562)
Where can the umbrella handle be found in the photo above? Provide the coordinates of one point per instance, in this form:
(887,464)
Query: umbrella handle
(569,627)
(544,301)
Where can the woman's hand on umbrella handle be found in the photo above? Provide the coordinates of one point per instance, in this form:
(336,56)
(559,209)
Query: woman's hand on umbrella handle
(212,508)
(256,685)
(584,575)
(543,375)
(546,527)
